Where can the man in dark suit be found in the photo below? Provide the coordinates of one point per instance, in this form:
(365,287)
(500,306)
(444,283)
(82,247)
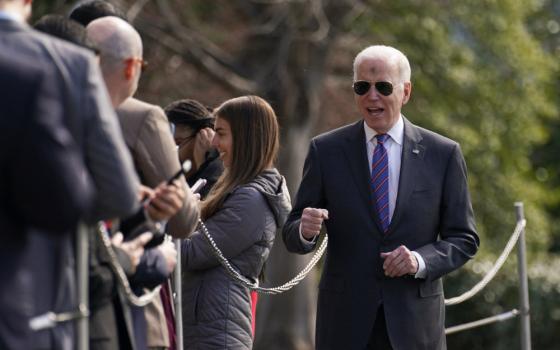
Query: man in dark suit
(43,183)
(397,209)
(90,119)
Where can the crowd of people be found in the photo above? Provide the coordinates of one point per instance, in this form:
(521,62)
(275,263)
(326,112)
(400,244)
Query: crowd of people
(79,147)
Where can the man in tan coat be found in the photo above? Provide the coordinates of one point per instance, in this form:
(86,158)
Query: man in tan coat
(148,136)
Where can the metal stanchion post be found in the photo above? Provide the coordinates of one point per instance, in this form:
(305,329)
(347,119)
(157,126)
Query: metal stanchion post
(82,274)
(524,310)
(178,297)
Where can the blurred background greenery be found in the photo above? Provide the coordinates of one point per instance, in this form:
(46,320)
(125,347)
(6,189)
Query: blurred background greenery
(485,73)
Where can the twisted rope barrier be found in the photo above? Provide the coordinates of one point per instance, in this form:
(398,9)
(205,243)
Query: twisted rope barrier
(494,270)
(233,273)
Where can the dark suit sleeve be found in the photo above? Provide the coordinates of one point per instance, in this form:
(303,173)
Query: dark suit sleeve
(310,194)
(50,185)
(151,271)
(458,239)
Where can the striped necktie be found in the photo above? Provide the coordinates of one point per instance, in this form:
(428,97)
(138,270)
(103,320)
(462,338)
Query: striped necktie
(380,180)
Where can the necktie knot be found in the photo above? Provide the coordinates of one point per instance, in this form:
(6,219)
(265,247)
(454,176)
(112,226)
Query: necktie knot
(381,138)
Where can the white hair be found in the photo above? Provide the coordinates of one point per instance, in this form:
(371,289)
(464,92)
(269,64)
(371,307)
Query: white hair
(389,53)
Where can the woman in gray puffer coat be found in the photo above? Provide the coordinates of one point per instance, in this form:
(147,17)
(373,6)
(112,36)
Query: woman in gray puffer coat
(242,212)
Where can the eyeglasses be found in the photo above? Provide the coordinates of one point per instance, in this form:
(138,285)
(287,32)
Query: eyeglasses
(143,62)
(361,87)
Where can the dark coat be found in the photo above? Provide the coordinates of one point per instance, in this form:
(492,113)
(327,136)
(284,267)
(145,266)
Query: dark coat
(43,185)
(210,170)
(217,310)
(433,216)
(91,121)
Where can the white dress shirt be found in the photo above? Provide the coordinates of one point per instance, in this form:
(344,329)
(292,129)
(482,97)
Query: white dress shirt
(394,146)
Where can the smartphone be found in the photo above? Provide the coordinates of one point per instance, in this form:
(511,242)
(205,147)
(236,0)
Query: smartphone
(198,185)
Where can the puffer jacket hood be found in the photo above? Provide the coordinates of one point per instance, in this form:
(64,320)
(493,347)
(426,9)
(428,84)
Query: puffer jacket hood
(273,187)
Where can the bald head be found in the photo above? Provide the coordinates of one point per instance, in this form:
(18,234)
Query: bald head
(116,40)
(120,51)
(387,53)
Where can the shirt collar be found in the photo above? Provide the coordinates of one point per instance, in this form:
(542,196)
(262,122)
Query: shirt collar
(396,132)
(11,16)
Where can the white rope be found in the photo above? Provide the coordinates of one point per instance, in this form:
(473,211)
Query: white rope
(244,281)
(122,280)
(492,273)
(319,253)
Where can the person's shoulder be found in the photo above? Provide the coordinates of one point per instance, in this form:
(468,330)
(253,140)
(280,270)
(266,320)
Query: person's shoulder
(337,135)
(431,137)
(38,43)
(246,196)
(67,51)
(137,108)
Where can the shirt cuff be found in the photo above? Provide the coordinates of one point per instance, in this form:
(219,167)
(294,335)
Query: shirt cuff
(306,243)
(421,273)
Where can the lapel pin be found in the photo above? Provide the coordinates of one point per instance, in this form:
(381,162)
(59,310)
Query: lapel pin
(415,151)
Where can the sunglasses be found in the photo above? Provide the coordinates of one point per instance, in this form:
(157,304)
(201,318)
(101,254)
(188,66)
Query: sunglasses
(361,87)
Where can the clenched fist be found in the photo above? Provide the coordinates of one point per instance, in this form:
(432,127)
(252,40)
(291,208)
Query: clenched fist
(311,222)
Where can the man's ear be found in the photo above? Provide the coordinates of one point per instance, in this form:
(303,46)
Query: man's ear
(28,8)
(129,69)
(407,91)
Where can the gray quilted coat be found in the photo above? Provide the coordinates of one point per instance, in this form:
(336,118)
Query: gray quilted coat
(217,310)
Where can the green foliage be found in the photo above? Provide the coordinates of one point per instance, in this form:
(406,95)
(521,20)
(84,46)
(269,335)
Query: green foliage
(481,77)
(501,296)
(485,73)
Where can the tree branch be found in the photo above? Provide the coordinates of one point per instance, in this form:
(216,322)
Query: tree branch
(207,63)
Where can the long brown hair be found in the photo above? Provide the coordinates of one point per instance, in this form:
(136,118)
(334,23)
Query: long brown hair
(255,142)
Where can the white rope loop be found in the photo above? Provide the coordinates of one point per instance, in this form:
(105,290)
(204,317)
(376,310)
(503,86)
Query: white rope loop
(244,281)
(122,280)
(494,270)
(233,273)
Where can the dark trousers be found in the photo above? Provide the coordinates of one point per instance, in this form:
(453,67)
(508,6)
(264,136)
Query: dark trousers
(379,338)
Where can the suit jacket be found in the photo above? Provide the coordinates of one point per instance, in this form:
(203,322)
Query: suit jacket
(88,115)
(433,216)
(43,184)
(91,120)
(148,136)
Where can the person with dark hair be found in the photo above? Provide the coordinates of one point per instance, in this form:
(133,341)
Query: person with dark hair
(242,213)
(43,186)
(87,12)
(65,29)
(193,125)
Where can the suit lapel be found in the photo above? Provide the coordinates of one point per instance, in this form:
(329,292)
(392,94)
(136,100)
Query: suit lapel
(412,159)
(355,149)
